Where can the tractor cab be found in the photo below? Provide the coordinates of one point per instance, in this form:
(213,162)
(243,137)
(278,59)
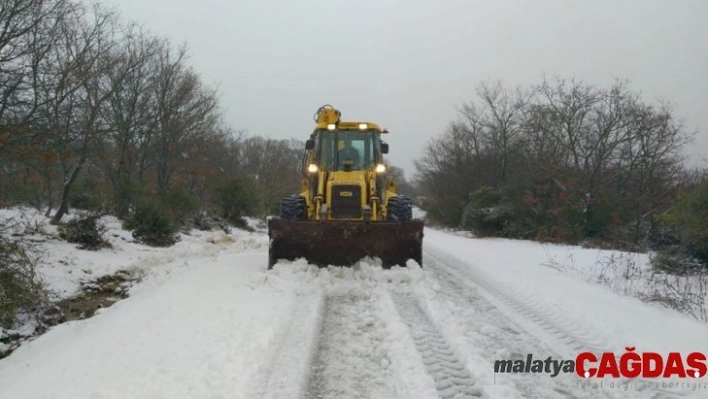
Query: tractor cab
(347,150)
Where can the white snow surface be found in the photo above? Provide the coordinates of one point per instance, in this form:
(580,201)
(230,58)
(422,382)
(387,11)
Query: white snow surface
(209,321)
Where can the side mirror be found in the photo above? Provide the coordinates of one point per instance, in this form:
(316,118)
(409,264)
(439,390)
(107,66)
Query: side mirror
(310,144)
(384,148)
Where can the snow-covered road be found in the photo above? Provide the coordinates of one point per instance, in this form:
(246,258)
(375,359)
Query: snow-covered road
(221,326)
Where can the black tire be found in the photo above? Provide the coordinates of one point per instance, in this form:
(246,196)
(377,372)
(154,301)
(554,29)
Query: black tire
(400,208)
(292,207)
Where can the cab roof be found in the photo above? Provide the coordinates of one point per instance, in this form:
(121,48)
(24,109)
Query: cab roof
(352,126)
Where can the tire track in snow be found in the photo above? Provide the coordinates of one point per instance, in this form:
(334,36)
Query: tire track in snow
(490,334)
(574,335)
(568,331)
(452,380)
(288,368)
(352,359)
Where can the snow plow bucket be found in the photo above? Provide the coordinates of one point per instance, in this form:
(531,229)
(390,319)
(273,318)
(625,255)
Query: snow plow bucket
(344,243)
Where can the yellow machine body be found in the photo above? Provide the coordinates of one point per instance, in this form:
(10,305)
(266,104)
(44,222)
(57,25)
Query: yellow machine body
(347,208)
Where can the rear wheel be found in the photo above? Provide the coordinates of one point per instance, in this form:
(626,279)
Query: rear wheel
(400,208)
(292,207)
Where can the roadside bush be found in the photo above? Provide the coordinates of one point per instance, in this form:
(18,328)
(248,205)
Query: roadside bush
(204,222)
(151,225)
(677,287)
(20,288)
(180,203)
(125,199)
(682,235)
(492,212)
(692,220)
(86,231)
(674,261)
(483,214)
(444,214)
(86,195)
(662,234)
(237,198)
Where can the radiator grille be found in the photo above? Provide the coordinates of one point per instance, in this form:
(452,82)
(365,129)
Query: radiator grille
(346,201)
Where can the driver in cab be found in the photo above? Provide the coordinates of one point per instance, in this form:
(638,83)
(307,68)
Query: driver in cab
(349,153)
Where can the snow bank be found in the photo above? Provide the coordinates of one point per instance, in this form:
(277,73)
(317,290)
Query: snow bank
(521,268)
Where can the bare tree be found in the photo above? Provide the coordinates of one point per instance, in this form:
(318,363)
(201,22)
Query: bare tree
(89,49)
(568,144)
(452,166)
(83,95)
(403,185)
(502,121)
(275,165)
(129,113)
(184,108)
(27,34)
(27,29)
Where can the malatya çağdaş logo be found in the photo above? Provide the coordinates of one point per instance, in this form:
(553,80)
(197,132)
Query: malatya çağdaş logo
(630,364)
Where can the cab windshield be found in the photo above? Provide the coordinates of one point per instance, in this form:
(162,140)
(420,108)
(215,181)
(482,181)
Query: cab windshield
(339,147)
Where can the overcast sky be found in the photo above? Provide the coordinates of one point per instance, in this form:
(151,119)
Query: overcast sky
(409,64)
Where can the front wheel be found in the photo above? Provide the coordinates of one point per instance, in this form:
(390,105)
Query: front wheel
(400,208)
(293,207)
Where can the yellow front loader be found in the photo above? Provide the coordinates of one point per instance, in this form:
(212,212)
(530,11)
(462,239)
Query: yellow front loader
(347,208)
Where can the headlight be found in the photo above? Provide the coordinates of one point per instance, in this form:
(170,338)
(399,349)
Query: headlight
(380,168)
(312,168)
(363,126)
(331,126)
